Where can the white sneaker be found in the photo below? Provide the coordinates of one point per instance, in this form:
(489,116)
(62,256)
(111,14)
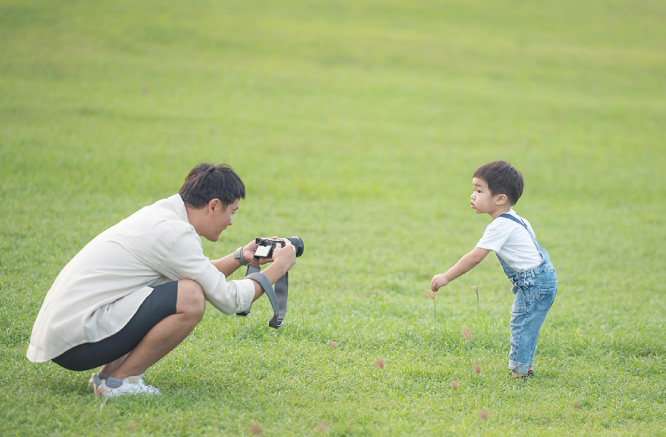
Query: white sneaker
(132,385)
(95,381)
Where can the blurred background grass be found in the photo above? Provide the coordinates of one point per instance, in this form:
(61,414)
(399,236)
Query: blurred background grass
(356,125)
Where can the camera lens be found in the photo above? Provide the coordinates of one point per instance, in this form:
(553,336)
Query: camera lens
(298,244)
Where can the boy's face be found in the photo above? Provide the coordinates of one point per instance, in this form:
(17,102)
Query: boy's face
(482,201)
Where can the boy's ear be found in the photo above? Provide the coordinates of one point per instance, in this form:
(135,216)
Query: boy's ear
(501,199)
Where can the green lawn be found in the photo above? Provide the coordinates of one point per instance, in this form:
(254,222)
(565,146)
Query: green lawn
(356,125)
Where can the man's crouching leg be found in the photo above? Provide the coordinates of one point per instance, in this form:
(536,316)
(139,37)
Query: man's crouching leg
(162,338)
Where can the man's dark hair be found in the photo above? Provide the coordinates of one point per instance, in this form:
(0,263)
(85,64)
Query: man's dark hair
(206,182)
(502,178)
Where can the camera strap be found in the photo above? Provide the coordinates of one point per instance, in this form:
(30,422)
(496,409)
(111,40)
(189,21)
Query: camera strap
(277,296)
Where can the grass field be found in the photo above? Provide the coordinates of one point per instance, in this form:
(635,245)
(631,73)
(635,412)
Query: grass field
(356,125)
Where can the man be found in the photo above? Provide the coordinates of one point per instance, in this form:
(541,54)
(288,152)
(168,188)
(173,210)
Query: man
(138,289)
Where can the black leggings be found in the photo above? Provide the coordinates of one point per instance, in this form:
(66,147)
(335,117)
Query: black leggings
(159,304)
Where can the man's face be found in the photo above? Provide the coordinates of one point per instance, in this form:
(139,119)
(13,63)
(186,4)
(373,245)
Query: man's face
(220,218)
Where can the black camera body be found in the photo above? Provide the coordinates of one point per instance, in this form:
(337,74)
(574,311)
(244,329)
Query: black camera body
(266,246)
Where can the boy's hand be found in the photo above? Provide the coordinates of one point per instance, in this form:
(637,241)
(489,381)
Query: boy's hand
(437,282)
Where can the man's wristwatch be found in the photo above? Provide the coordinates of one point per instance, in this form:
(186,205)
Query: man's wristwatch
(239,256)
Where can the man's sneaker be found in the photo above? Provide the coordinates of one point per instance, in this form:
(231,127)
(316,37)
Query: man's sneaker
(132,385)
(95,381)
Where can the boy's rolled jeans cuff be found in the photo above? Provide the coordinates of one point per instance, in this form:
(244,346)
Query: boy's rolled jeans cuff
(519,367)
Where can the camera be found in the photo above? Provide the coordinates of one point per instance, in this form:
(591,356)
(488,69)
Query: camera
(266,246)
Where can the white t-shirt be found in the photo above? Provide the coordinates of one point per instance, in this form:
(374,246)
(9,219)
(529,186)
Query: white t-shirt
(102,287)
(511,242)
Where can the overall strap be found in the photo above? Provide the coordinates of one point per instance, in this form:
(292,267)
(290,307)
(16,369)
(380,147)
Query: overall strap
(522,223)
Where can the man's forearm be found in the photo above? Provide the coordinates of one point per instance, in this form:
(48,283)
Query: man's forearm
(226,265)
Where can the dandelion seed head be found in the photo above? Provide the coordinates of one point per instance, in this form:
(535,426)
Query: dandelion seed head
(431,294)
(484,414)
(475,288)
(466,332)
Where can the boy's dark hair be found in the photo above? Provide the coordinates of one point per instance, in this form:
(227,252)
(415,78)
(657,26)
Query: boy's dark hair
(502,178)
(206,182)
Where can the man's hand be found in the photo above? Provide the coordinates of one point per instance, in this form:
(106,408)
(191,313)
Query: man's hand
(251,247)
(285,256)
(437,282)
(283,259)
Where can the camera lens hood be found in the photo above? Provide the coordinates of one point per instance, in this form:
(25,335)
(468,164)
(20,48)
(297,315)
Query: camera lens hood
(298,244)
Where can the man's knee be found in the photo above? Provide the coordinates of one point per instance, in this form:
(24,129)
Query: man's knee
(191,298)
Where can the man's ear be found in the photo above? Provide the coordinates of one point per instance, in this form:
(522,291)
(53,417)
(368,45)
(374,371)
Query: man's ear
(214,204)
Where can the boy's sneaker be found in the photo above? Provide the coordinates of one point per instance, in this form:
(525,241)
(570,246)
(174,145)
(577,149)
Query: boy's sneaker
(515,375)
(132,385)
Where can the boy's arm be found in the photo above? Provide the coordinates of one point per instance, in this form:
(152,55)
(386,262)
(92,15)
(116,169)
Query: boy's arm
(464,265)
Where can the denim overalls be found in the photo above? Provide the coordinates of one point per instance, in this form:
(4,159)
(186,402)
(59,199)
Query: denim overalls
(535,291)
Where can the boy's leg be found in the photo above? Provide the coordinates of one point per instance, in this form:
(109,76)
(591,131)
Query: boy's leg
(527,316)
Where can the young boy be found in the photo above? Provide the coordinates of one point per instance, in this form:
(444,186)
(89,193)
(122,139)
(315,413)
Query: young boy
(497,187)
